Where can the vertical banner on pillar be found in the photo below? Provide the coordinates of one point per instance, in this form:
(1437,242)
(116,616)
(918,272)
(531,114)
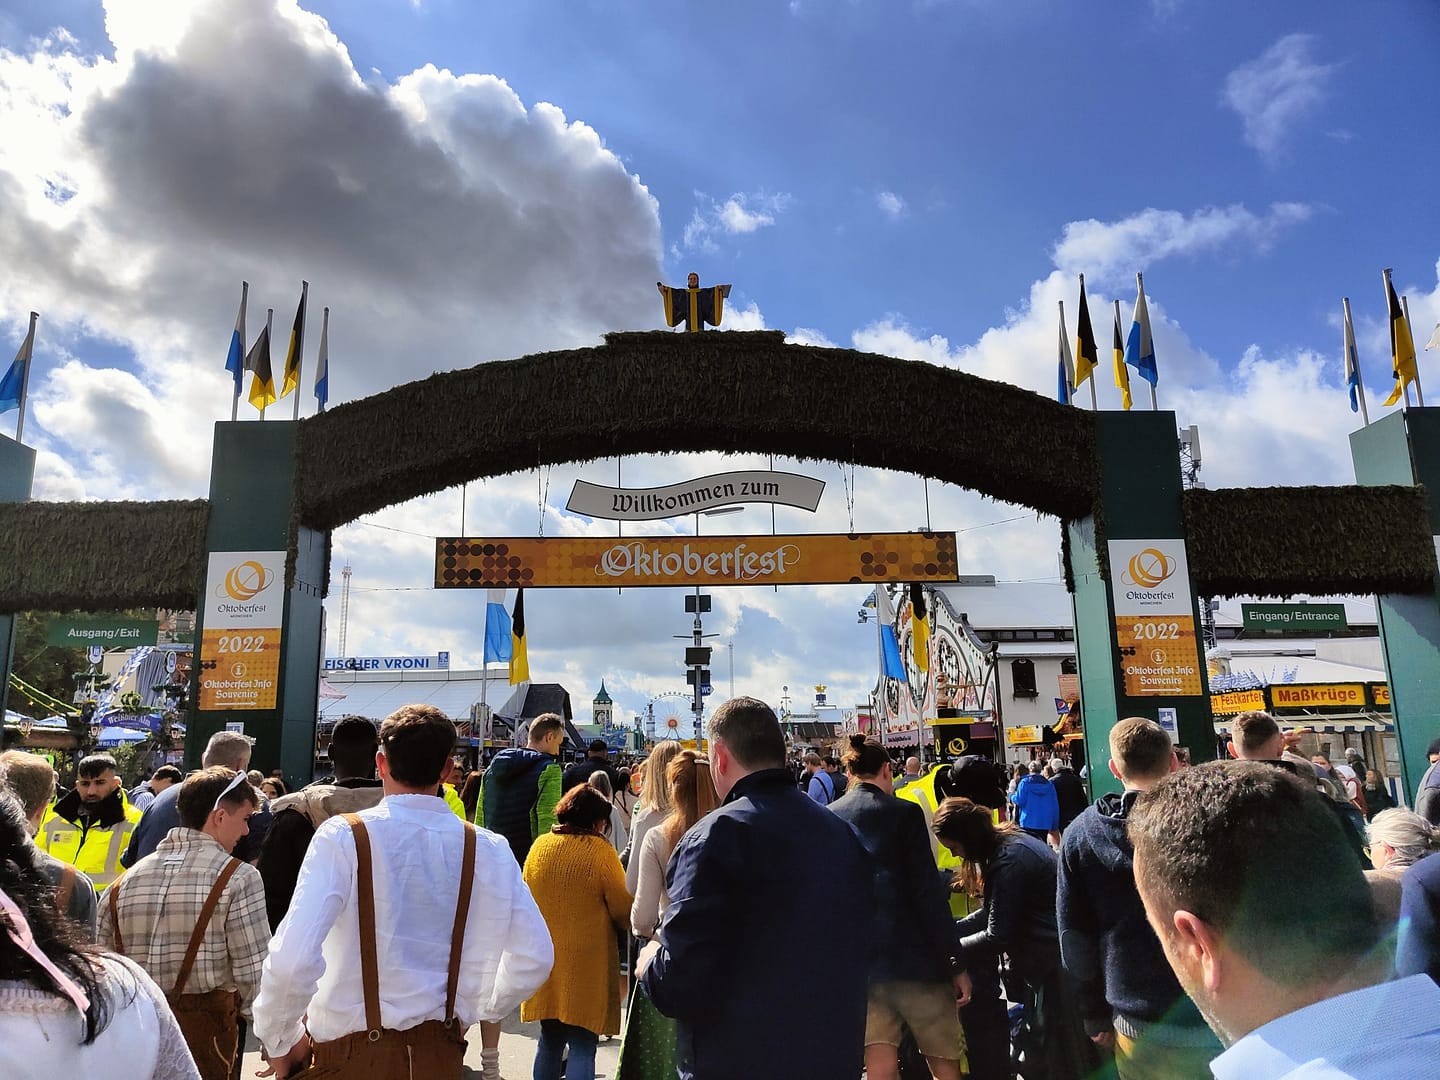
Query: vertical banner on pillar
(240,641)
(1155,618)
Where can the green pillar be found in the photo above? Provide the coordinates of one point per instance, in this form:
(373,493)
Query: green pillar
(1140,500)
(1404,448)
(17,475)
(252,478)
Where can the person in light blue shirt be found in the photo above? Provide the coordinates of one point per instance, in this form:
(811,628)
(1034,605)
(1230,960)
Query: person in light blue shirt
(1266,918)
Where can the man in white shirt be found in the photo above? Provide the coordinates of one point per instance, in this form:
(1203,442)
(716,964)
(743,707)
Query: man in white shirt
(389,976)
(1265,916)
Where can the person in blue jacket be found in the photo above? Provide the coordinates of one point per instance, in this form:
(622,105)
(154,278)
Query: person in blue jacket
(737,965)
(1038,804)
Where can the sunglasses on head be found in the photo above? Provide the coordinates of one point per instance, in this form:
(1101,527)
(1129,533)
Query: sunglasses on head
(235,782)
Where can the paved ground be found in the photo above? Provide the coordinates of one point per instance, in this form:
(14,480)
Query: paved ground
(517,1053)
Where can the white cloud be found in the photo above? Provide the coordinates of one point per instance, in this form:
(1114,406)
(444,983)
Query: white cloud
(890,204)
(442,220)
(1105,249)
(739,215)
(1274,93)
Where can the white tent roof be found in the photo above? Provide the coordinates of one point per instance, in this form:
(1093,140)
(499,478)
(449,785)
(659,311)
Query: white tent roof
(377,694)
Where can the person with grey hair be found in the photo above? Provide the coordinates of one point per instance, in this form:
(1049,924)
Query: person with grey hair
(31,779)
(227,748)
(1398,840)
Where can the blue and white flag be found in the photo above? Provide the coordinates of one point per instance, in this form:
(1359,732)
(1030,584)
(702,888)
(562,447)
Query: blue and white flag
(1139,346)
(498,643)
(235,358)
(17,376)
(893,667)
(1352,362)
(1066,373)
(322,367)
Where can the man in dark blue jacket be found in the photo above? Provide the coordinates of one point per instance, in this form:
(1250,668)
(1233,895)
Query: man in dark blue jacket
(738,967)
(914,979)
(1128,996)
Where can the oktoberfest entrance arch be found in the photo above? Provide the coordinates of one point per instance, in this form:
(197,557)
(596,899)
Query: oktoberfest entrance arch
(1139,550)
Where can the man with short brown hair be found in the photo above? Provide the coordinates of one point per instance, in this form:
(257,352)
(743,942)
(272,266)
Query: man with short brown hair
(1127,995)
(407,926)
(193,917)
(1269,925)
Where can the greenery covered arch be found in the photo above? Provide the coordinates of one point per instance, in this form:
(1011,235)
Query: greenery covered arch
(742,392)
(651,393)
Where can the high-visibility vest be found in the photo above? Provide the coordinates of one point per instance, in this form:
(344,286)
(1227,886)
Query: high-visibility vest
(922,793)
(452,800)
(95,851)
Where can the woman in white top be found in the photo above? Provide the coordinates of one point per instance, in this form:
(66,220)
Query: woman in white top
(619,834)
(66,1008)
(653,809)
(692,795)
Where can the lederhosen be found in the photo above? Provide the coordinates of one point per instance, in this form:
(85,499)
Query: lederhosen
(433,1049)
(209,1021)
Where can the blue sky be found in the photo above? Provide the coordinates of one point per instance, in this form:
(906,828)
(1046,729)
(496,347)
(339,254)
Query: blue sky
(920,179)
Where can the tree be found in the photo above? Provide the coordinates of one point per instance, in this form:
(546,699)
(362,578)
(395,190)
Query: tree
(49,668)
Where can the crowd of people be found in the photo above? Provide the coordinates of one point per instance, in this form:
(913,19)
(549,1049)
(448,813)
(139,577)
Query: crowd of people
(1265,916)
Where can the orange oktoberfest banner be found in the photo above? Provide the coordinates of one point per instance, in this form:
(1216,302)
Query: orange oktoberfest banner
(631,562)
(241,630)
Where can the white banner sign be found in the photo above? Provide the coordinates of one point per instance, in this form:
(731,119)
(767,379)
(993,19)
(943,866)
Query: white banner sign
(1152,577)
(706,493)
(439,662)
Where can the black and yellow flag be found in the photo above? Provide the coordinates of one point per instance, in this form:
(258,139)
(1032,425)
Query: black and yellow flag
(1122,373)
(1402,345)
(919,628)
(257,362)
(1086,356)
(297,345)
(519,654)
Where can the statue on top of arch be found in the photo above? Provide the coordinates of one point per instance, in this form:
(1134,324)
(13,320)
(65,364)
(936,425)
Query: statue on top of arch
(692,305)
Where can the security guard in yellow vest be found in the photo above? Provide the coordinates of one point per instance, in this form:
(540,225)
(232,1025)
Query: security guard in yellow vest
(923,793)
(90,827)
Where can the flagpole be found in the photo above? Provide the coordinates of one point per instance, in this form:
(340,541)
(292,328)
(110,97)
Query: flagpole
(29,348)
(1359,378)
(235,401)
(1419,390)
(269,314)
(300,350)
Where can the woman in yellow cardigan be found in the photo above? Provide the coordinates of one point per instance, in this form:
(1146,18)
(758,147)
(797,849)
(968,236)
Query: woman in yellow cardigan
(576,879)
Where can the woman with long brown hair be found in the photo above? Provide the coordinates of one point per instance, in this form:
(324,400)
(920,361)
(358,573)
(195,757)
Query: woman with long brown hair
(653,807)
(648,1052)
(1016,874)
(692,796)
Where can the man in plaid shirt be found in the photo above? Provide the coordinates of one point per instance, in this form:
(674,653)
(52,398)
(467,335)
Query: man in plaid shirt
(194,917)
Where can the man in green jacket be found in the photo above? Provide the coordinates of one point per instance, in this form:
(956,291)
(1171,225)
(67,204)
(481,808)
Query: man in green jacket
(522,786)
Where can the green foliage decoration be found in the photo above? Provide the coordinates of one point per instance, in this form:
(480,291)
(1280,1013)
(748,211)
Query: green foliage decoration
(1314,541)
(658,392)
(101,556)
